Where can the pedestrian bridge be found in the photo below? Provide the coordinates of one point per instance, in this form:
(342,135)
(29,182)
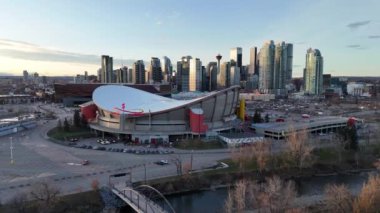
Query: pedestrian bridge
(138,201)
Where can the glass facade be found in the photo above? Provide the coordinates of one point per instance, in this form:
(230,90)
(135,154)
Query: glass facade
(313,72)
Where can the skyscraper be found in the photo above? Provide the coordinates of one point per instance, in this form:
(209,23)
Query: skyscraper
(139,72)
(155,70)
(184,68)
(280,66)
(252,61)
(205,79)
(99,78)
(167,69)
(178,76)
(195,75)
(266,66)
(122,75)
(234,78)
(313,72)
(236,57)
(107,69)
(289,63)
(224,76)
(212,70)
(275,67)
(25,75)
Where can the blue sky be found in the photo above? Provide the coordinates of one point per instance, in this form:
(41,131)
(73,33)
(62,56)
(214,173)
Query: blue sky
(68,37)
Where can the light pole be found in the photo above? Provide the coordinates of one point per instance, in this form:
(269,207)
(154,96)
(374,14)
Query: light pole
(11,150)
(144,173)
(191,161)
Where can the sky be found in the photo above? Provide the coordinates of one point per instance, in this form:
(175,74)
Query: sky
(67,37)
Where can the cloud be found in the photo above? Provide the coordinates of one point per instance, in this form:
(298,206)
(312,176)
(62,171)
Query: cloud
(174,15)
(6,74)
(356,46)
(353,46)
(28,51)
(300,42)
(374,36)
(159,22)
(356,25)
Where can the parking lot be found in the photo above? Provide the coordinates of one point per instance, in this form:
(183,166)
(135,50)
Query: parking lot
(38,159)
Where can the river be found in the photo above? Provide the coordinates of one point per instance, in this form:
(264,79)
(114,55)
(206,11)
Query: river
(213,200)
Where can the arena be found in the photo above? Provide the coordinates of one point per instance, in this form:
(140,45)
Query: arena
(145,117)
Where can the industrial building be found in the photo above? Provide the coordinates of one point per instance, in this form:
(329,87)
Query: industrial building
(280,130)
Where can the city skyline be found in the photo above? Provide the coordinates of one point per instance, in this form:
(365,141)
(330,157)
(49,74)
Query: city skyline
(71,40)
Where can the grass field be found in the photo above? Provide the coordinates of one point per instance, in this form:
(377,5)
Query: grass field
(77,132)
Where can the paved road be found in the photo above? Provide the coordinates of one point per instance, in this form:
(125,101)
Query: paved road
(37,159)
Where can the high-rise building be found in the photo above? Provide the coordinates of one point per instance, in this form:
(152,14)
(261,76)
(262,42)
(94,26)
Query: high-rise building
(182,75)
(280,66)
(167,69)
(155,70)
(234,77)
(212,70)
(313,72)
(99,75)
(266,66)
(25,75)
(178,76)
(236,57)
(107,69)
(130,75)
(138,75)
(252,62)
(224,76)
(195,75)
(275,67)
(205,79)
(289,63)
(122,75)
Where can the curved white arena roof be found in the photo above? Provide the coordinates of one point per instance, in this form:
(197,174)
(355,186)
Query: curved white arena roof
(128,100)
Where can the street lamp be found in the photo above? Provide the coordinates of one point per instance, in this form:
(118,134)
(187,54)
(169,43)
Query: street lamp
(12,161)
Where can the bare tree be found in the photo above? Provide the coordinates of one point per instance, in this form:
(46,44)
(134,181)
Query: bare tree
(368,199)
(261,153)
(229,203)
(338,198)
(242,156)
(19,203)
(273,196)
(45,194)
(95,185)
(176,159)
(277,195)
(300,151)
(239,194)
(377,164)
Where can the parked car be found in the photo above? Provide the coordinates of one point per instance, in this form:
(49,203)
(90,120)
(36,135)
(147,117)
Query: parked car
(85,162)
(162,162)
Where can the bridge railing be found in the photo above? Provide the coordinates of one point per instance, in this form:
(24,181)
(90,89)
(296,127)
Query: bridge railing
(140,201)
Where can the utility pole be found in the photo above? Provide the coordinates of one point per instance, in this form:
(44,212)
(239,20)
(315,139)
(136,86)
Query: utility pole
(144,173)
(12,161)
(191,160)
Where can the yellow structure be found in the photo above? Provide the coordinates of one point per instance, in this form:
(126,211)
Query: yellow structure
(241,112)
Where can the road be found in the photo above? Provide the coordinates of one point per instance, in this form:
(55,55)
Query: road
(38,159)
